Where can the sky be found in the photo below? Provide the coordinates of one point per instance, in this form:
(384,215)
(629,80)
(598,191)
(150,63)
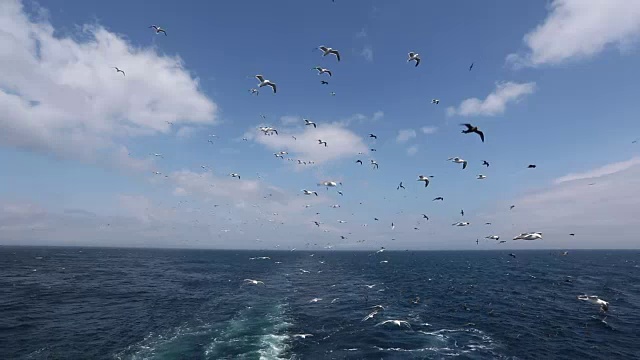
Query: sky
(552,84)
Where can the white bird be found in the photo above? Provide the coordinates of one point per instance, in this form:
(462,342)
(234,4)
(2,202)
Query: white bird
(492,237)
(307,192)
(414,57)
(425,179)
(327,50)
(481,177)
(329,183)
(254,91)
(304,271)
(374,164)
(529,236)
(604,305)
(371,315)
(458,160)
(309,122)
(267,130)
(278,155)
(315,300)
(335,206)
(158,155)
(253,282)
(342,222)
(235,175)
(399,323)
(460,223)
(382,249)
(304,336)
(158,29)
(264,82)
(322,70)
(384,262)
(435,101)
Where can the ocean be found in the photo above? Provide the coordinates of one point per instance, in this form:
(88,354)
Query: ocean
(97,303)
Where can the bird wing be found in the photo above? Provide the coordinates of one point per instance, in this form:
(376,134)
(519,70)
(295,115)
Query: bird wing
(323,48)
(329,72)
(314,125)
(464,165)
(260,77)
(337,54)
(469,126)
(417,61)
(273,86)
(481,134)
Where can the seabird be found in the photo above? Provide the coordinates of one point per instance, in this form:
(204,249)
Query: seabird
(309,122)
(373,136)
(511,254)
(327,50)
(492,237)
(485,163)
(315,300)
(572,234)
(531,166)
(473,129)
(425,179)
(304,336)
(458,160)
(529,236)
(322,70)
(158,29)
(461,212)
(435,101)
(320,142)
(604,306)
(400,186)
(307,192)
(264,82)
(395,322)
(424,216)
(481,177)
(414,57)
(374,164)
(317,223)
(254,91)
(235,175)
(333,93)
(511,207)
(118,70)
(359,161)
(253,282)
(471,66)
(324,82)
(438,198)
(460,223)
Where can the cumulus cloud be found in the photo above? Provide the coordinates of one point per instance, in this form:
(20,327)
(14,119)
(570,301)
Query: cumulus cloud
(576,29)
(412,150)
(428,129)
(496,102)
(341,142)
(405,135)
(593,205)
(61,95)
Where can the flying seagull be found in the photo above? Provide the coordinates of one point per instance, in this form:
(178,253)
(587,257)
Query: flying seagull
(461,212)
(473,129)
(118,70)
(438,198)
(373,136)
(264,82)
(252,282)
(604,306)
(531,166)
(492,237)
(324,82)
(485,163)
(307,192)
(322,70)
(424,216)
(460,223)
(309,122)
(529,236)
(399,323)
(400,186)
(471,66)
(435,101)
(254,91)
(374,164)
(327,50)
(511,207)
(481,177)
(320,142)
(425,179)
(235,175)
(359,161)
(458,160)
(158,29)
(414,57)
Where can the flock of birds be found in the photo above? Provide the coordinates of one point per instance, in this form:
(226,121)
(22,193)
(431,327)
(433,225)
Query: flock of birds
(468,129)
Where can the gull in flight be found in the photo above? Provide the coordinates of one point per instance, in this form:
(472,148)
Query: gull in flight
(414,57)
(267,130)
(158,29)
(461,223)
(481,177)
(254,91)
(324,82)
(604,306)
(371,314)
(492,237)
(235,175)
(473,129)
(381,250)
(119,70)
(307,192)
(317,223)
(322,70)
(511,207)
(438,198)
(485,163)
(425,179)
(400,186)
(327,50)
(320,142)
(458,160)
(264,82)
(529,236)
(435,101)
(329,183)
(158,155)
(461,212)
(531,166)
(359,161)
(309,122)
(424,216)
(374,164)
(315,300)
(304,336)
(373,136)
(399,323)
(253,282)
(471,66)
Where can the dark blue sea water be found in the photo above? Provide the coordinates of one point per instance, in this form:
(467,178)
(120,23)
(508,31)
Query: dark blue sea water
(72,303)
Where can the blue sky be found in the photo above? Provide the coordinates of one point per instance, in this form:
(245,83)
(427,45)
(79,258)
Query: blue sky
(553,85)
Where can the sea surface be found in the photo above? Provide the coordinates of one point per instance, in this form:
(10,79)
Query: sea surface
(93,303)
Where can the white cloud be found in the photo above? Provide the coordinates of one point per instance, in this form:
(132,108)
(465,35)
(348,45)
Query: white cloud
(290,120)
(367,53)
(405,135)
(496,102)
(185,132)
(361,34)
(576,29)
(429,130)
(599,172)
(61,95)
(341,142)
(412,150)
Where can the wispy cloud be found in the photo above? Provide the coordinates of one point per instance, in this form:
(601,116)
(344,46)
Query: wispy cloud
(290,120)
(576,29)
(496,102)
(599,172)
(367,53)
(429,130)
(67,99)
(412,150)
(405,135)
(361,34)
